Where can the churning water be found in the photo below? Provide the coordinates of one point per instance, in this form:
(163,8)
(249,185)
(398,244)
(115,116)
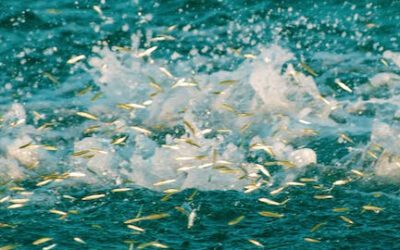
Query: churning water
(194,124)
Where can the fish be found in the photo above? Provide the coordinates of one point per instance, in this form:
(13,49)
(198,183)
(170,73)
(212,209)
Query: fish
(26,145)
(308,180)
(152,244)
(183,83)
(166,197)
(185,158)
(76,59)
(252,187)
(384,62)
(130,106)
(171,191)
(340,182)
(304,122)
(96,96)
(171,28)
(271,202)
(84,91)
(191,218)
(93,197)
(4,199)
(294,183)
(166,72)
(141,130)
(359,173)
(186,168)
(87,115)
(317,226)
(190,127)
(14,206)
(255,242)
(147,103)
(46,125)
(224,131)
(249,56)
(311,240)
(79,240)
(118,141)
(121,49)
(76,174)
(49,247)
(192,142)
(45,182)
(287,164)
(162,38)
(148,217)
(4,225)
(165,182)
(372,208)
(343,86)
(345,219)
(69,197)
(54,211)
(308,69)
(346,138)
(41,241)
(236,220)
(228,107)
(19,201)
(8,247)
(323,197)
(133,227)
(155,85)
(49,148)
(181,210)
(52,78)
(218,92)
(263,170)
(147,52)
(271,214)
(98,10)
(16,188)
(206,131)
(277,191)
(266,148)
(228,82)
(340,209)
(372,154)
(120,190)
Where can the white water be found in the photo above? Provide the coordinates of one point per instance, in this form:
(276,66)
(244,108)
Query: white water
(269,104)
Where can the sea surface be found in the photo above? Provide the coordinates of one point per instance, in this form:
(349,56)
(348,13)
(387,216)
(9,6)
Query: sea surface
(199,124)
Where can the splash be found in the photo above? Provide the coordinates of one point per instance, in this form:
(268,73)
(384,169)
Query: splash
(161,126)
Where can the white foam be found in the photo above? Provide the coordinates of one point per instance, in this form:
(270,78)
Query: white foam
(15,115)
(303,157)
(261,88)
(384,79)
(282,104)
(27,156)
(100,164)
(394,56)
(10,170)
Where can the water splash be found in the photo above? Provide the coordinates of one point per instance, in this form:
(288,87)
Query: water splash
(206,130)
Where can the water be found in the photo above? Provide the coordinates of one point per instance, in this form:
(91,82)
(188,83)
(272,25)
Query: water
(198,109)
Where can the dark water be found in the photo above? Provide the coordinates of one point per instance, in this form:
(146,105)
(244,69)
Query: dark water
(329,40)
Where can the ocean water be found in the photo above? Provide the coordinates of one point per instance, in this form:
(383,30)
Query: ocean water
(182,124)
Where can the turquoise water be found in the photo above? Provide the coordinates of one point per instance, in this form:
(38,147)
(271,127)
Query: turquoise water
(238,124)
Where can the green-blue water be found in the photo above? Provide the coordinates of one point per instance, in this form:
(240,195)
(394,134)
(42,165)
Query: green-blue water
(273,61)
